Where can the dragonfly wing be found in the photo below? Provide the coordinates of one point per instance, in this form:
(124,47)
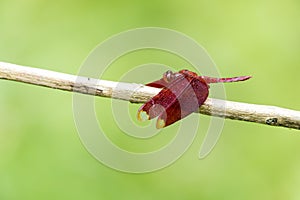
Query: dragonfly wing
(187,102)
(161,83)
(183,96)
(158,104)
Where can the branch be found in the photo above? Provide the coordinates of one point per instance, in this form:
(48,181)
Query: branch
(138,93)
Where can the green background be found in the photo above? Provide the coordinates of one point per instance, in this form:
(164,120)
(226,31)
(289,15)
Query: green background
(41,155)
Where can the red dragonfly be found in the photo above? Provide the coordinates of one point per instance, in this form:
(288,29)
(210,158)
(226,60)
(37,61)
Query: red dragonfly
(182,93)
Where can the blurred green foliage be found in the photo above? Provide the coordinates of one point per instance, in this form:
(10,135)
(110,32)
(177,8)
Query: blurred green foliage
(41,154)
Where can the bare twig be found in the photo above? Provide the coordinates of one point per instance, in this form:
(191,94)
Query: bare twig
(138,93)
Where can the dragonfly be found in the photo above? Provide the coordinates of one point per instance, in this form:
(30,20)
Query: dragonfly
(182,93)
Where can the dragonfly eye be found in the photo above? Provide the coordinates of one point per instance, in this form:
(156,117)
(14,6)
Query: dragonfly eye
(168,76)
